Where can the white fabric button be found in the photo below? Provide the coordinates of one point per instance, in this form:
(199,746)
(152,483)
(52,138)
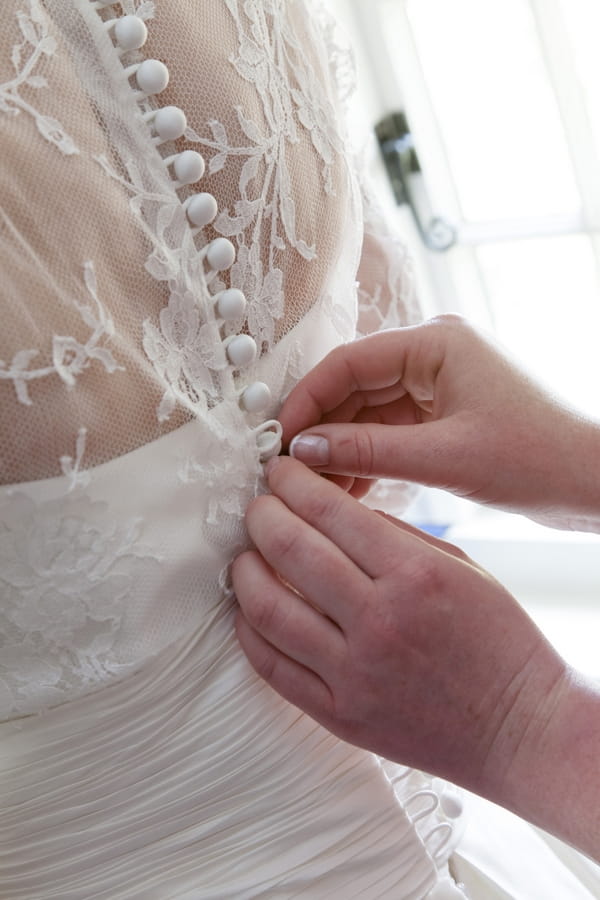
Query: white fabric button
(452,805)
(152,76)
(256,397)
(241,350)
(220,254)
(131,32)
(231,304)
(170,123)
(446,890)
(189,167)
(202,209)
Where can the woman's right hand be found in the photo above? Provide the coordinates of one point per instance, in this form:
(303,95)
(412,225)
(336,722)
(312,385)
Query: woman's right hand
(440,404)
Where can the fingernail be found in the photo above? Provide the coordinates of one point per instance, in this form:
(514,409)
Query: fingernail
(312,449)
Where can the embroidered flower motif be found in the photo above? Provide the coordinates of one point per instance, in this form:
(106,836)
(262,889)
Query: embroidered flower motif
(66,574)
(184,353)
(289,96)
(271,59)
(228,470)
(36,44)
(248,274)
(71,465)
(69,357)
(318,118)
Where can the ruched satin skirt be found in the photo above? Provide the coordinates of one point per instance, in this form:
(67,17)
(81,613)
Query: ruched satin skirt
(193,779)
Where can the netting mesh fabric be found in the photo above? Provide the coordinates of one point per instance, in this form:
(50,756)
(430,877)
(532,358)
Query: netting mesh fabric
(131,436)
(87,199)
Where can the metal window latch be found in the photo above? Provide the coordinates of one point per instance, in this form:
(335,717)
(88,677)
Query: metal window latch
(404,171)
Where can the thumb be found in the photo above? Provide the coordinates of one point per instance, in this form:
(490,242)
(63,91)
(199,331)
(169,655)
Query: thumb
(419,453)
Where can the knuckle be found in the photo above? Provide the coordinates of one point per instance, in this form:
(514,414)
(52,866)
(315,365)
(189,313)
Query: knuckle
(458,552)
(257,508)
(420,576)
(284,543)
(261,657)
(450,320)
(424,576)
(454,326)
(254,593)
(245,575)
(364,452)
(323,505)
(259,610)
(237,568)
(265,666)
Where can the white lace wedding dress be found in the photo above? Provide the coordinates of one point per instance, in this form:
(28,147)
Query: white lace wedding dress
(157,305)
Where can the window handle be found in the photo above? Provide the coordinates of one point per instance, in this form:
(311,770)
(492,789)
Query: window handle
(406,178)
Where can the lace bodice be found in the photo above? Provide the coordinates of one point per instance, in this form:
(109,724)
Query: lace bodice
(180,236)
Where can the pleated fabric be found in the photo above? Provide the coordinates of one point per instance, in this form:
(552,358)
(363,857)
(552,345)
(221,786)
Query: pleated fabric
(192,779)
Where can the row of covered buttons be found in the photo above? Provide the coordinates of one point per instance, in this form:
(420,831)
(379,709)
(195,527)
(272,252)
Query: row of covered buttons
(169,123)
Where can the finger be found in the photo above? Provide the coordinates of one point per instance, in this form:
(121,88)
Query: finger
(402,411)
(296,683)
(346,526)
(390,406)
(428,538)
(344,482)
(356,487)
(372,363)
(307,559)
(360,487)
(425,453)
(283,617)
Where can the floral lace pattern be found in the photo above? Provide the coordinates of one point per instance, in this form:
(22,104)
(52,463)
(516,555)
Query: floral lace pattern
(229,481)
(292,98)
(185,346)
(71,567)
(69,357)
(186,353)
(66,571)
(26,56)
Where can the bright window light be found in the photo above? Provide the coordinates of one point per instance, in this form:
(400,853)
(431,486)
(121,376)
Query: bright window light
(495,107)
(545,298)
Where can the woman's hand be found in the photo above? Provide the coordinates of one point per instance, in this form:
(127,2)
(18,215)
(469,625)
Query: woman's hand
(399,643)
(441,405)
